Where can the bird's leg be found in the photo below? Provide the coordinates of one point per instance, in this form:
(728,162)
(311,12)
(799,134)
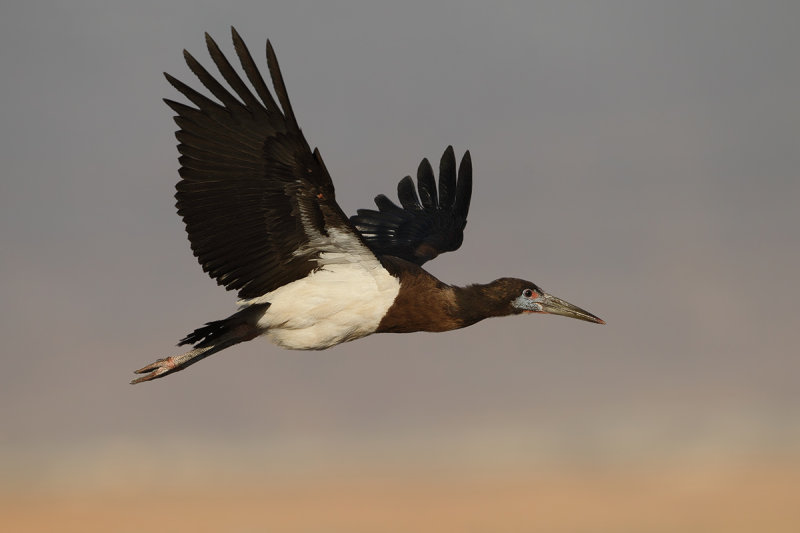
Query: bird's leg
(168,365)
(165,366)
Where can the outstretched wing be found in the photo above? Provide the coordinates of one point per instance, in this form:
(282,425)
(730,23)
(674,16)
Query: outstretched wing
(426,225)
(258,204)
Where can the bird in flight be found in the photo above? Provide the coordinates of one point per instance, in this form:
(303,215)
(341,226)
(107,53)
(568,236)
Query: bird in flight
(261,214)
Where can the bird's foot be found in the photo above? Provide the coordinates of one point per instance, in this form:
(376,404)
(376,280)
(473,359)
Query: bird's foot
(171,364)
(157,369)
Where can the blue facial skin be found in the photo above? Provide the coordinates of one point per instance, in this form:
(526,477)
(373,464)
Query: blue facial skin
(530,301)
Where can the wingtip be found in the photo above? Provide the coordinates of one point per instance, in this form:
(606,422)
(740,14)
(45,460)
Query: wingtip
(210,42)
(170,78)
(189,58)
(272,63)
(466,162)
(447,162)
(448,158)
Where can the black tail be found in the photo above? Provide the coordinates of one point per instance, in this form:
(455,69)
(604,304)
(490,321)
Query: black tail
(208,334)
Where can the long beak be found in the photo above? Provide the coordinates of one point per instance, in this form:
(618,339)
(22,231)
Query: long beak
(557,306)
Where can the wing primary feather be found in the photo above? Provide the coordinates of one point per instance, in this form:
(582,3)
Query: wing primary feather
(195,97)
(208,111)
(280,87)
(464,186)
(252,72)
(216,88)
(407,194)
(232,77)
(447,179)
(426,184)
(384,204)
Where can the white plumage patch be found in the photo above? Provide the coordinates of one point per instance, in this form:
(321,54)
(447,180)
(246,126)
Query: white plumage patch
(345,299)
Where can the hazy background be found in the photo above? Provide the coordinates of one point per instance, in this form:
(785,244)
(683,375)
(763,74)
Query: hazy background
(637,158)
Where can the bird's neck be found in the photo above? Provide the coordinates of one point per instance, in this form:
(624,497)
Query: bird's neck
(477,302)
(441,307)
(426,304)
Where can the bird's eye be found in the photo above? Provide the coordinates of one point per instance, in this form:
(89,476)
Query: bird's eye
(527,293)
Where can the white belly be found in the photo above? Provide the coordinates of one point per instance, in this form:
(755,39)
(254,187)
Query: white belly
(338,303)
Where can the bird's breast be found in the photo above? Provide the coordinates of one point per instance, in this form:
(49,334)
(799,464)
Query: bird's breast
(335,304)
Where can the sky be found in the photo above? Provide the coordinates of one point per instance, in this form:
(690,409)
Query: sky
(637,158)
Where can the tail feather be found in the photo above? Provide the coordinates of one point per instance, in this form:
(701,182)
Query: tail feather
(208,334)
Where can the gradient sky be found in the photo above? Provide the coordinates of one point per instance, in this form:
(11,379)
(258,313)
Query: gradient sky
(637,158)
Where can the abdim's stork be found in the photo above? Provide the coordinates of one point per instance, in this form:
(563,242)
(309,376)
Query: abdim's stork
(262,218)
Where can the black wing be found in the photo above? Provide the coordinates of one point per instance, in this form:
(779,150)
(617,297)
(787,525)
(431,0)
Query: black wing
(257,202)
(425,226)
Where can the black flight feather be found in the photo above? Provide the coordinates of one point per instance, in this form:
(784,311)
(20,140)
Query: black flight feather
(257,203)
(425,225)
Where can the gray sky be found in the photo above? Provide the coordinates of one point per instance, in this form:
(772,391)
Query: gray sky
(637,158)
